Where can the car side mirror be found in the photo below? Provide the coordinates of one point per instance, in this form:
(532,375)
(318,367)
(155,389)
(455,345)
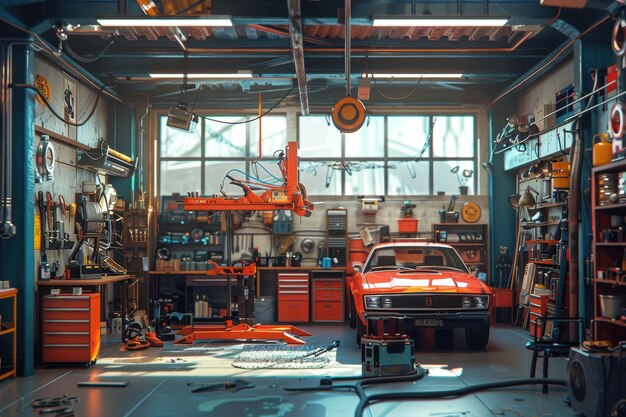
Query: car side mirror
(357,266)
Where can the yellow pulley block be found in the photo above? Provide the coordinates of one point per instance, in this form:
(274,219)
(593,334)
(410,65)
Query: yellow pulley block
(348,114)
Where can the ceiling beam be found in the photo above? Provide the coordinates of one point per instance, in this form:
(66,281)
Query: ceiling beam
(295,31)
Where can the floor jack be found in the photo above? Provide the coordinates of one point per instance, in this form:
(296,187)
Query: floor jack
(241,331)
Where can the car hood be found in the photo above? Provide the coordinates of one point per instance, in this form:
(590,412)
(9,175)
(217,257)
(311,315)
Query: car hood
(422,281)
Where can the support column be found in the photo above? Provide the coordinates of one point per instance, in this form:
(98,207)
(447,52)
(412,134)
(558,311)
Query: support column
(17,253)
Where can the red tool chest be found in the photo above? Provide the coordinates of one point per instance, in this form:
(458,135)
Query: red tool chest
(70,326)
(538,308)
(293,297)
(327,302)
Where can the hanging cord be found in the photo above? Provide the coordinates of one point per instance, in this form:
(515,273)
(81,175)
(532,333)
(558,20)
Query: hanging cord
(397,98)
(255,118)
(57,115)
(87,59)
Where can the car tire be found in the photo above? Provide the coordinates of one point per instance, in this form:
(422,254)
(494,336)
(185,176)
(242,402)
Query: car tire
(477,337)
(360,331)
(352,319)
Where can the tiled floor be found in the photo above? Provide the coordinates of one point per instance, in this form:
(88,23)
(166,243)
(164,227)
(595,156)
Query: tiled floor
(158,381)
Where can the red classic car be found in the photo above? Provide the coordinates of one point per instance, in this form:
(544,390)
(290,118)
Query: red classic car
(425,285)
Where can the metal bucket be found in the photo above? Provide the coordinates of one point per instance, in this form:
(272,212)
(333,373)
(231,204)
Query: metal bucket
(611,305)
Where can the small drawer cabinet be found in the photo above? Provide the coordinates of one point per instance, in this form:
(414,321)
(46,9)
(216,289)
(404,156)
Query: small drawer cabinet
(70,327)
(538,308)
(293,297)
(327,303)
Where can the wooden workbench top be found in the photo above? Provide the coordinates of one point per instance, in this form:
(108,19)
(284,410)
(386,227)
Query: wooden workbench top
(107,279)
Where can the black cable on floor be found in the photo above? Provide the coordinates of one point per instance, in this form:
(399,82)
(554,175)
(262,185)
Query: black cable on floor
(419,373)
(389,396)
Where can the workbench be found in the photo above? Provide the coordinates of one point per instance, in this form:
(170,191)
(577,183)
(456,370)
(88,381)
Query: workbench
(245,302)
(98,283)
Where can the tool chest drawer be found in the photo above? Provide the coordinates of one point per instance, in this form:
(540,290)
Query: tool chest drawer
(322,283)
(293,297)
(70,328)
(328,299)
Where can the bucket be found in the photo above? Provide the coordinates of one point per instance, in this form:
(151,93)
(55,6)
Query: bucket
(611,305)
(356,243)
(358,256)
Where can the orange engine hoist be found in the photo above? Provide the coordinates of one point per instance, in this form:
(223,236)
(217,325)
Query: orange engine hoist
(291,195)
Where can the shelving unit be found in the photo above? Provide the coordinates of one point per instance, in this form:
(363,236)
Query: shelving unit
(470,240)
(136,247)
(8,337)
(609,256)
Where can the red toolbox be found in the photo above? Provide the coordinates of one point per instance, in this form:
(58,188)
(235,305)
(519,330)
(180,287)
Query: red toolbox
(327,303)
(293,297)
(70,326)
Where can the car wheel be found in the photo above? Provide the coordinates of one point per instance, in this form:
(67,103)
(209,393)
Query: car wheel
(352,319)
(477,337)
(360,331)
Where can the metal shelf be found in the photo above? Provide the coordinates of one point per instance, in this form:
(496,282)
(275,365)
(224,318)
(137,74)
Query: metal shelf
(611,206)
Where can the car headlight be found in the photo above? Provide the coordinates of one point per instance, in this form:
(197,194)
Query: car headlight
(466,302)
(387,302)
(479,302)
(372,301)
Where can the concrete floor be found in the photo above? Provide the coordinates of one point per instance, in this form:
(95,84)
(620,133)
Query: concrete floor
(158,377)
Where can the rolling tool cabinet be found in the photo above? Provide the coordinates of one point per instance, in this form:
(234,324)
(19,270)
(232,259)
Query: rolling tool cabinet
(293,297)
(328,294)
(70,328)
(8,337)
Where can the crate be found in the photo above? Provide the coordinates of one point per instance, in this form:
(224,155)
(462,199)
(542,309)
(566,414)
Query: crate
(407,226)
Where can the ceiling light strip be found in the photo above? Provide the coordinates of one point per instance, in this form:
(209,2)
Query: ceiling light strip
(430,21)
(166,22)
(425,76)
(235,75)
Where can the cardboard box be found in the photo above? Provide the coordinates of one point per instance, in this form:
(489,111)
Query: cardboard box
(540,112)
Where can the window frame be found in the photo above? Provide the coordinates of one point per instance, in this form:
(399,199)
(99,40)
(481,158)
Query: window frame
(385,159)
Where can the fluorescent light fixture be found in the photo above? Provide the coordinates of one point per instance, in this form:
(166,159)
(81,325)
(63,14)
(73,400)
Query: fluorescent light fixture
(206,76)
(438,76)
(166,22)
(429,21)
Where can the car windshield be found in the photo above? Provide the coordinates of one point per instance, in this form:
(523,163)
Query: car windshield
(411,257)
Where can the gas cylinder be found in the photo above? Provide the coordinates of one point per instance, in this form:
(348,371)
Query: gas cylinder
(602,152)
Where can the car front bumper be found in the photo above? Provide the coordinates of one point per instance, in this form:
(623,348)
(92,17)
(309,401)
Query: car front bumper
(446,320)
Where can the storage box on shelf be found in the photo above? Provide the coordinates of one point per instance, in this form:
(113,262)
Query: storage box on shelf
(8,337)
(470,240)
(609,250)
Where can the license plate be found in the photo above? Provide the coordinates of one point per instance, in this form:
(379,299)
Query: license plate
(428,323)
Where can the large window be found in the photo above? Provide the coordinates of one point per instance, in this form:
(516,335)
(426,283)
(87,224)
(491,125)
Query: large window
(201,160)
(390,155)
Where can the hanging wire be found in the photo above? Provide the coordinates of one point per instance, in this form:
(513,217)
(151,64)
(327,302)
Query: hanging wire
(254,118)
(57,115)
(396,98)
